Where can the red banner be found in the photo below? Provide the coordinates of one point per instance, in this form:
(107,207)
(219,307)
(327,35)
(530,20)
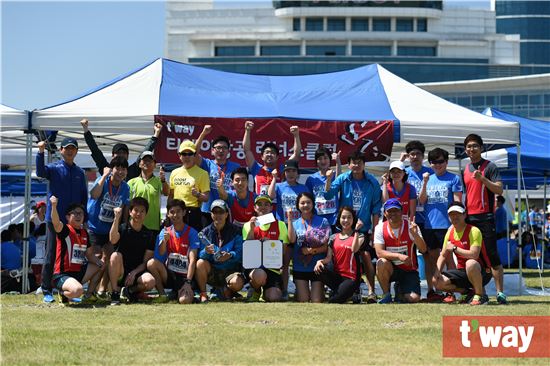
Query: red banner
(374,138)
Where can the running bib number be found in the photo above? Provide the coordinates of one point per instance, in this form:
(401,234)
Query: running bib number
(325,207)
(400,250)
(106,212)
(79,254)
(177,263)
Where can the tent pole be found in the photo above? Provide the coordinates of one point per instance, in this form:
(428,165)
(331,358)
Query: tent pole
(543,244)
(507,232)
(518,169)
(26,213)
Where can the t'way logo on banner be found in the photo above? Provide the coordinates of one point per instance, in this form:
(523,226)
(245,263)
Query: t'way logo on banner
(374,138)
(496,336)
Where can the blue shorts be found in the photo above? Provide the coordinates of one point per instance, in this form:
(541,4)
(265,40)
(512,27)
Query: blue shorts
(406,281)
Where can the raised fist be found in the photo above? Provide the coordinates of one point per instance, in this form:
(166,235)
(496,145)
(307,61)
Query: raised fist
(207,129)
(84,124)
(106,171)
(248,125)
(41,146)
(426,176)
(294,130)
(53,200)
(118,212)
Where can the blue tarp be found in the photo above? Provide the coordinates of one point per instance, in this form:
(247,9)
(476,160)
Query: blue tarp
(13,184)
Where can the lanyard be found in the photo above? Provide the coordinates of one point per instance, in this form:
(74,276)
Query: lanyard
(222,171)
(111,189)
(392,235)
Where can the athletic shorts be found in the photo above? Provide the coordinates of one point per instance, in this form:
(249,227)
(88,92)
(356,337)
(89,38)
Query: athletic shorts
(99,240)
(274,279)
(486,224)
(434,238)
(407,281)
(122,280)
(459,278)
(305,276)
(60,278)
(220,277)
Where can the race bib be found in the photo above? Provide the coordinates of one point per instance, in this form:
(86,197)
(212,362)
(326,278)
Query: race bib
(177,263)
(106,212)
(78,255)
(324,206)
(401,250)
(357,199)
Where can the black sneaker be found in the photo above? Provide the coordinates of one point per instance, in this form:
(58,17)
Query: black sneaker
(115,298)
(126,295)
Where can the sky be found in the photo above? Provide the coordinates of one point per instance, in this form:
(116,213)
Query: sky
(54,51)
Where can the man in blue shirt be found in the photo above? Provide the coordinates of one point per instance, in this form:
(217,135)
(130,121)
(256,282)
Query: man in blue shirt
(501,218)
(68,183)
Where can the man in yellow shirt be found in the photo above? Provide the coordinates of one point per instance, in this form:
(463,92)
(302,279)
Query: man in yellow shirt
(190,184)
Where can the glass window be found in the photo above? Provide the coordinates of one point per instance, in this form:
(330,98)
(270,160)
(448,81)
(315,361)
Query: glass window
(490,100)
(404,25)
(314,24)
(535,100)
(280,50)
(371,50)
(336,24)
(235,51)
(421,25)
(520,99)
(296,24)
(478,101)
(360,24)
(381,24)
(415,51)
(507,100)
(328,50)
(464,101)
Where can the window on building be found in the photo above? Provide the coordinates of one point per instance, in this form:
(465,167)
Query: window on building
(234,50)
(326,50)
(296,24)
(360,24)
(415,51)
(336,24)
(280,50)
(381,24)
(371,50)
(421,25)
(314,24)
(404,25)
(478,101)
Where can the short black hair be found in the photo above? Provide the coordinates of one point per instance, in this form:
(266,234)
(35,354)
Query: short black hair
(269,145)
(118,161)
(75,205)
(353,214)
(415,145)
(176,202)
(139,201)
(240,170)
(308,195)
(473,137)
(323,150)
(356,155)
(501,199)
(221,138)
(6,236)
(436,153)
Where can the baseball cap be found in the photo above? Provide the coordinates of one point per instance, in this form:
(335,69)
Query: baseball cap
(120,146)
(67,141)
(456,208)
(397,164)
(392,203)
(147,153)
(220,204)
(263,197)
(40,204)
(187,145)
(290,164)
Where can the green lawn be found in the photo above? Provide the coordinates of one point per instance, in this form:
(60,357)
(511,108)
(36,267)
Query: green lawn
(238,333)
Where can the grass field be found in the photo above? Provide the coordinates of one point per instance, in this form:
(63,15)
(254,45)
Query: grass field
(239,333)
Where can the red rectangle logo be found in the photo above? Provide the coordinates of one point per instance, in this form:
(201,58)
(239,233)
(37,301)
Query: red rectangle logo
(496,336)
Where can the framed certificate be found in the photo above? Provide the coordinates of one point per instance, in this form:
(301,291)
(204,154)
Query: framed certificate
(267,254)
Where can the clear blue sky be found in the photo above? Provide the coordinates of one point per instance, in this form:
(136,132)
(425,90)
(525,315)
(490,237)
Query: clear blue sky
(54,51)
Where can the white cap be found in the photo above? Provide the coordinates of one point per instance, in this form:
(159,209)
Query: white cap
(456,208)
(397,164)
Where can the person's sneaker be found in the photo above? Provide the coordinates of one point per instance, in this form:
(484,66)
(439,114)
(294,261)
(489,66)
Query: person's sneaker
(127,296)
(115,298)
(48,298)
(140,296)
(62,298)
(466,297)
(449,298)
(386,299)
(103,296)
(372,298)
(203,298)
(161,299)
(89,299)
(253,295)
(285,296)
(479,300)
(502,299)
(434,296)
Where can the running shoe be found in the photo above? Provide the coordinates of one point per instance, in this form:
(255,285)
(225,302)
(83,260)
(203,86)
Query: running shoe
(285,296)
(434,296)
(372,298)
(115,298)
(479,300)
(502,299)
(203,298)
(466,297)
(357,298)
(89,299)
(48,298)
(253,295)
(161,299)
(386,299)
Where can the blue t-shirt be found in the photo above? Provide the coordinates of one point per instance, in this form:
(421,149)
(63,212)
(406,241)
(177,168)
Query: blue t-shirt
(101,210)
(501,219)
(415,179)
(313,235)
(327,208)
(286,198)
(214,171)
(440,194)
(194,242)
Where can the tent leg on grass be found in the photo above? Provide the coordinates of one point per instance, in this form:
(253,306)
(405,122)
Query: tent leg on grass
(519,210)
(26,217)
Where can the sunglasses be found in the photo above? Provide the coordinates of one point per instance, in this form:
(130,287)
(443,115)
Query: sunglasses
(437,161)
(187,154)
(76,213)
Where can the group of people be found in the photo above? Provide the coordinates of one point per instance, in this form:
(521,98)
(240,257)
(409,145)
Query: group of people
(334,228)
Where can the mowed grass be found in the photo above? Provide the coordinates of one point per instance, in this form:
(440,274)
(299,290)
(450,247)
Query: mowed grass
(238,333)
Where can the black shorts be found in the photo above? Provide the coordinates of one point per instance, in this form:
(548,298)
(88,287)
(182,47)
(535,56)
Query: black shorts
(305,276)
(219,278)
(274,278)
(459,278)
(60,278)
(175,281)
(122,280)
(434,238)
(407,281)
(99,240)
(486,224)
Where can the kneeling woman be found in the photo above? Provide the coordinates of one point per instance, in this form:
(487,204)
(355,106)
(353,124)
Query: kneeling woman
(345,278)
(310,234)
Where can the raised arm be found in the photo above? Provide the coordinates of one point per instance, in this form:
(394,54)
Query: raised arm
(57,224)
(97,189)
(97,154)
(205,131)
(114,235)
(291,231)
(165,184)
(336,157)
(248,153)
(297,148)
(272,190)
(423,196)
(41,168)
(221,189)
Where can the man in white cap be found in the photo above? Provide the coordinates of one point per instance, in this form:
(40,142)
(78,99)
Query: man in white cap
(473,271)
(190,184)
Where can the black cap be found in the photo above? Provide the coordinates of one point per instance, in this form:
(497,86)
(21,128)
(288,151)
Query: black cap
(291,164)
(67,141)
(119,147)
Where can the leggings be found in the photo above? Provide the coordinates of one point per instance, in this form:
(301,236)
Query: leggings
(342,288)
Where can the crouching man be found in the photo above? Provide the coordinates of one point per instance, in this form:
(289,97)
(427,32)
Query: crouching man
(394,241)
